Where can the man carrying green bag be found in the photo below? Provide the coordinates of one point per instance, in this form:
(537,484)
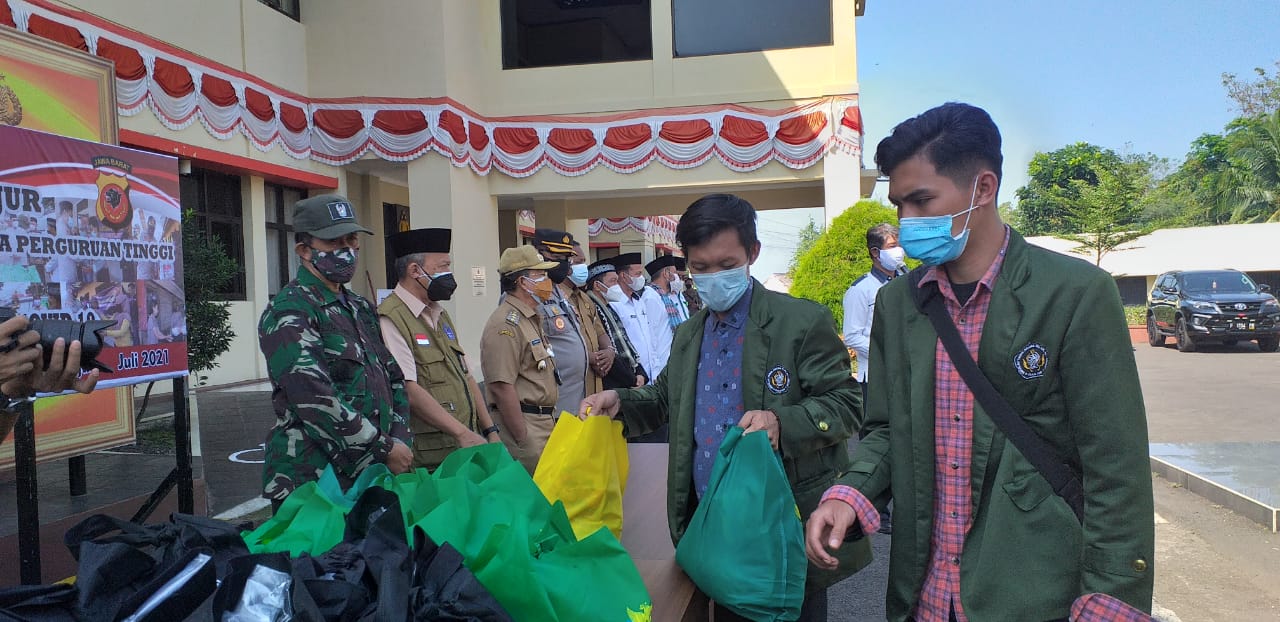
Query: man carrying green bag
(765,580)
(754,359)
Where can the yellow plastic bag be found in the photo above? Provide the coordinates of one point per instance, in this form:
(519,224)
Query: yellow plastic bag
(584,466)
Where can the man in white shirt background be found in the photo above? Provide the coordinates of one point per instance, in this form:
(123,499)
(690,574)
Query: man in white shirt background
(887,261)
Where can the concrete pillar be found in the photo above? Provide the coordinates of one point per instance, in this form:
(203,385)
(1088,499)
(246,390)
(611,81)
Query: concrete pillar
(577,227)
(365,194)
(841,182)
(441,195)
(254,207)
(552,214)
(636,243)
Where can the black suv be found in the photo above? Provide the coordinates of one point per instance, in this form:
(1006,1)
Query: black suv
(1222,306)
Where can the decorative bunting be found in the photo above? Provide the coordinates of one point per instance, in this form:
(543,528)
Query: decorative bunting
(181,88)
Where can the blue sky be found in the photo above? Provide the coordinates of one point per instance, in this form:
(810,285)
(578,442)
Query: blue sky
(1136,75)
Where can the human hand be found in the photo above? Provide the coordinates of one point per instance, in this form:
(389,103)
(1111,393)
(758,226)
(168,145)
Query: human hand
(603,404)
(826,528)
(757,420)
(19,353)
(602,361)
(400,458)
(470,439)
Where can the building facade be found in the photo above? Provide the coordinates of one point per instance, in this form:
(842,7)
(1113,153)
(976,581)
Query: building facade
(466,113)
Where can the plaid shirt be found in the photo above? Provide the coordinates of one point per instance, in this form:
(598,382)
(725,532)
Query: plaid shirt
(953,454)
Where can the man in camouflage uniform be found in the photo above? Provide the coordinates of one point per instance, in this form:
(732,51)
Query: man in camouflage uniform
(338,394)
(447,406)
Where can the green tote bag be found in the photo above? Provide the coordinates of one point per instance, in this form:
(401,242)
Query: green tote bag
(744,547)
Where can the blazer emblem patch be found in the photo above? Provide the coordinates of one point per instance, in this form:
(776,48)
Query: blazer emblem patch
(778,380)
(1031,361)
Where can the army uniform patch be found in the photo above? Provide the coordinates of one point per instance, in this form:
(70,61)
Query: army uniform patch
(448,332)
(513,317)
(421,339)
(559,321)
(778,380)
(1031,361)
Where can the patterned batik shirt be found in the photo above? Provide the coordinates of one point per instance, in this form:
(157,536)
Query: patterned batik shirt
(718,404)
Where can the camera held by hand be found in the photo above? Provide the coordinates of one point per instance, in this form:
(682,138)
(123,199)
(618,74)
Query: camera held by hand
(87,333)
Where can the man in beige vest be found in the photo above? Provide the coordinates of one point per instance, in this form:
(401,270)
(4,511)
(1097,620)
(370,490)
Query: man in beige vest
(447,407)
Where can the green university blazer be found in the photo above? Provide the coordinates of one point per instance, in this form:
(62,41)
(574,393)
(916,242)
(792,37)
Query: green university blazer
(1025,557)
(794,364)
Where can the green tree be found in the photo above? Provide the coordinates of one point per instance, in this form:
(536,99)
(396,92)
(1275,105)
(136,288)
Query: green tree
(1044,203)
(1199,192)
(207,270)
(808,235)
(1256,155)
(1104,214)
(1257,96)
(839,256)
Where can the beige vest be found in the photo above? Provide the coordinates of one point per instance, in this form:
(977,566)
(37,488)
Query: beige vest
(441,370)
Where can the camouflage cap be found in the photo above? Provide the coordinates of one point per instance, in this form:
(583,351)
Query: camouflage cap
(523,257)
(326,217)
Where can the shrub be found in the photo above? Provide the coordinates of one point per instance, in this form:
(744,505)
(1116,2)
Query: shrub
(839,257)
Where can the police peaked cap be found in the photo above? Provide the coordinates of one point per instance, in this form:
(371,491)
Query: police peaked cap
(555,241)
(662,262)
(420,241)
(626,259)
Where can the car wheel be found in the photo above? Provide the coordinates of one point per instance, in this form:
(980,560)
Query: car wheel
(1230,343)
(1268,344)
(1154,337)
(1185,343)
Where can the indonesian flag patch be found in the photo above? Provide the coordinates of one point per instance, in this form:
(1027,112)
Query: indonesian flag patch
(421,339)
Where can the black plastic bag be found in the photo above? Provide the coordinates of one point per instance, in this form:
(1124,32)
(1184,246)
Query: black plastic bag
(444,589)
(39,603)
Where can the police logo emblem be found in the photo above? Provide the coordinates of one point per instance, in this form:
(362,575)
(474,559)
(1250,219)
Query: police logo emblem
(779,380)
(1031,361)
(559,323)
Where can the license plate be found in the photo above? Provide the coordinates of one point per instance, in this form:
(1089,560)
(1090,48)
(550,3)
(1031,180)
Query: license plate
(1243,326)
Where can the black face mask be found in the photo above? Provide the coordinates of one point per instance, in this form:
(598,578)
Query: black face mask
(559,273)
(442,286)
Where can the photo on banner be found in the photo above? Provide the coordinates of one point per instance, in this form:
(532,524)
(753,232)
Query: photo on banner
(92,233)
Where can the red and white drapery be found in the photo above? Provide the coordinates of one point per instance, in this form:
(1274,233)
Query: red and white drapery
(660,226)
(180,89)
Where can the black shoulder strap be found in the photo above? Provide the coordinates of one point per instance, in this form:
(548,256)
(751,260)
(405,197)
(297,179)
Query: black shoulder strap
(1034,448)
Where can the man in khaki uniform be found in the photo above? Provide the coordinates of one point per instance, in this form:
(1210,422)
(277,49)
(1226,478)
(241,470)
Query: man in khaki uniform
(447,407)
(519,368)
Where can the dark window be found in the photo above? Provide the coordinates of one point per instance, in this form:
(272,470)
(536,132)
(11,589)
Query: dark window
(282,262)
(704,27)
(288,7)
(215,199)
(545,33)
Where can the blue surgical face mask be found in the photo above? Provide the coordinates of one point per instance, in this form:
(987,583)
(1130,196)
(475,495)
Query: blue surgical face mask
(721,290)
(578,274)
(929,239)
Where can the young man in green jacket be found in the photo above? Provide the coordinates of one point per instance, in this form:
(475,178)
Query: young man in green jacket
(753,358)
(979,534)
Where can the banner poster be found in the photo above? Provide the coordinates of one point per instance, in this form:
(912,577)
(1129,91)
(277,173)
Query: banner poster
(92,232)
